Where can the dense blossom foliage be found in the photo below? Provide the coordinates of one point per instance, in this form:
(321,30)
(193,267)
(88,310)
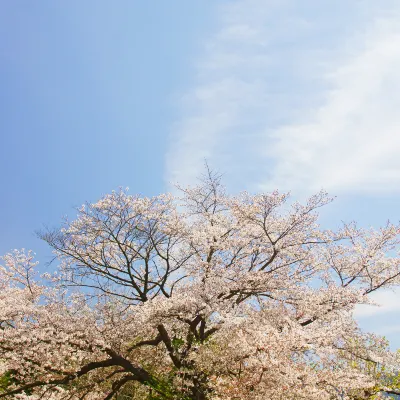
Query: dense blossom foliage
(206,296)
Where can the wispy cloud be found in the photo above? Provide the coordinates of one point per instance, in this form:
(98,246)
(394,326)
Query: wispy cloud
(388,302)
(351,141)
(382,319)
(296,97)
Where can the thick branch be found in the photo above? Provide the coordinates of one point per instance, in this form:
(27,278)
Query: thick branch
(84,370)
(168,344)
(151,342)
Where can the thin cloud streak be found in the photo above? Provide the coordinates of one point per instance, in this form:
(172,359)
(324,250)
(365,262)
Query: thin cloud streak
(227,103)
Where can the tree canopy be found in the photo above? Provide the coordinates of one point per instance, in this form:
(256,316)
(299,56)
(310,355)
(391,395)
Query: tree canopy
(199,296)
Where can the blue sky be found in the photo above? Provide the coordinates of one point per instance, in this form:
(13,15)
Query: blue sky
(275,94)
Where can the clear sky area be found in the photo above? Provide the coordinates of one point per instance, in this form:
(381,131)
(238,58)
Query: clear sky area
(288,95)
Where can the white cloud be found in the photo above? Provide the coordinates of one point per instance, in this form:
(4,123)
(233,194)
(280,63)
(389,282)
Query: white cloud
(350,142)
(388,302)
(296,97)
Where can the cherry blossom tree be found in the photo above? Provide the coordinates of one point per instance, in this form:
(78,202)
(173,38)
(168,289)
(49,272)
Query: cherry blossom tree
(201,296)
